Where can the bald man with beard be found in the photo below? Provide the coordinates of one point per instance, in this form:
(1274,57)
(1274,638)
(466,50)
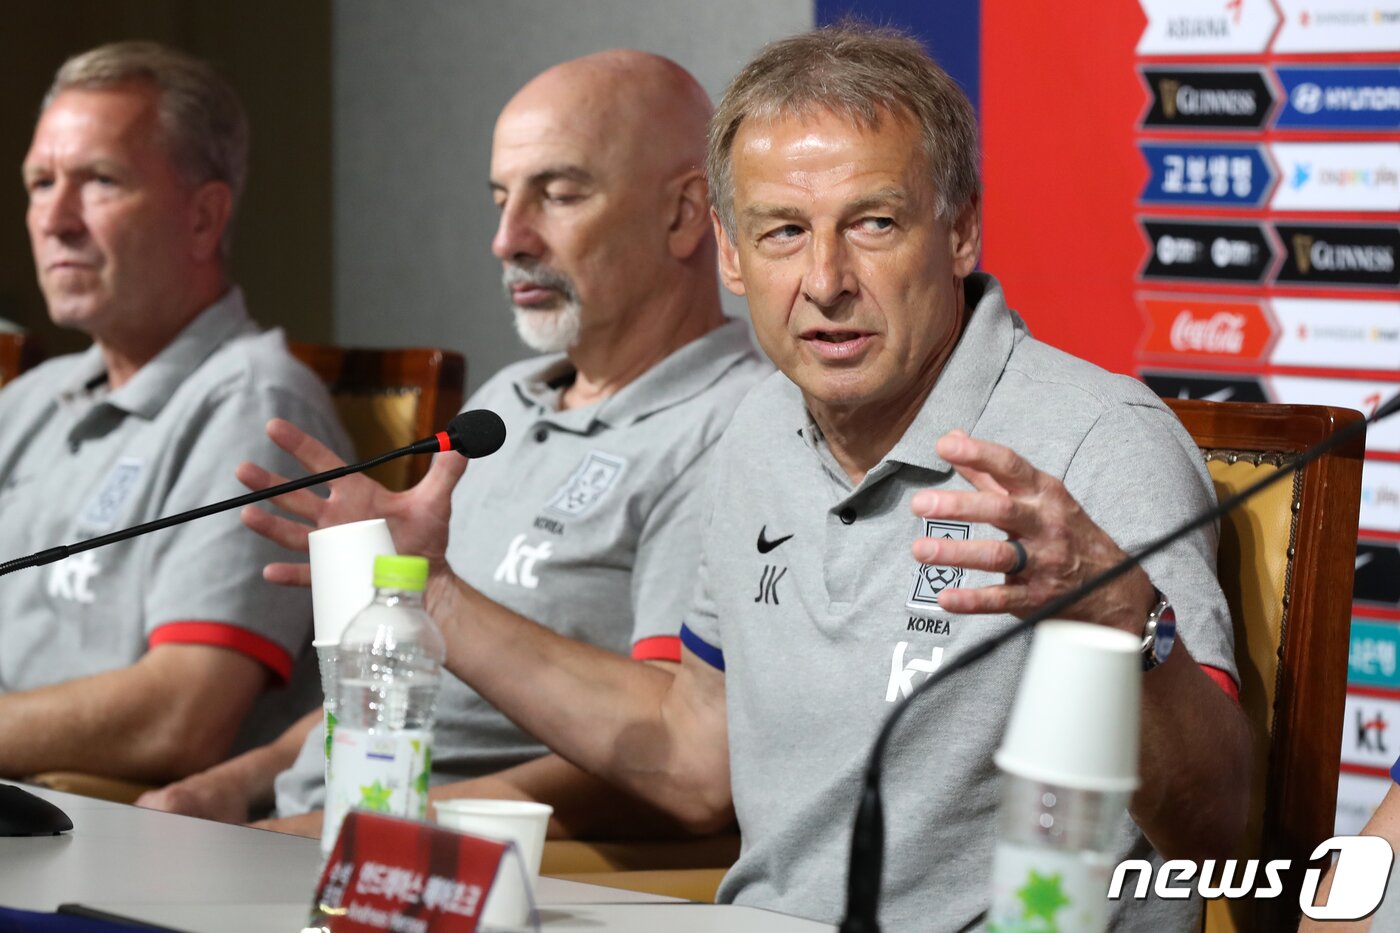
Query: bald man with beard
(587,522)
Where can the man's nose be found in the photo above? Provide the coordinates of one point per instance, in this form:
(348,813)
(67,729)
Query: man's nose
(516,236)
(59,210)
(831,276)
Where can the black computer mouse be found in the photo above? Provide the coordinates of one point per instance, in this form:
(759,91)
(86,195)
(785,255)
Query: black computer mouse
(23,814)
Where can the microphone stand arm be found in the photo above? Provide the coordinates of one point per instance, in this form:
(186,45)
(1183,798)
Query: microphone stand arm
(64,550)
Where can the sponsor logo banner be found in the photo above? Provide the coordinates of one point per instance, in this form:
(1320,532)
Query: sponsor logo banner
(1337,333)
(1315,254)
(1337,176)
(1339,98)
(1374,657)
(1371,731)
(1206,327)
(1377,581)
(1380,496)
(1338,26)
(1217,176)
(1206,251)
(1358,795)
(1363,395)
(1219,98)
(1206,27)
(1210,387)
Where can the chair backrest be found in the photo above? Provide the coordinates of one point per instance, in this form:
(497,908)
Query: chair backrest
(18,352)
(1286,564)
(389,398)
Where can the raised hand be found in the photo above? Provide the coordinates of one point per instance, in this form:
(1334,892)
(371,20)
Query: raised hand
(1052,546)
(418,518)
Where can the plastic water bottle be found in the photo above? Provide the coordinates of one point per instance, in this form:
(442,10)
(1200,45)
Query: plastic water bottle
(387,673)
(1054,857)
(1069,764)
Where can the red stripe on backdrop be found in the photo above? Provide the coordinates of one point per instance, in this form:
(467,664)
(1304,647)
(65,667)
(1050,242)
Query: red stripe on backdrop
(1375,613)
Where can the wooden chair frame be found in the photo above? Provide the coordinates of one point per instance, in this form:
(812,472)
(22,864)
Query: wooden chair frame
(439,376)
(1301,789)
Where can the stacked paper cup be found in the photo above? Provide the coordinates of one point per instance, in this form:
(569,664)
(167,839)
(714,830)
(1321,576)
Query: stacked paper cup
(342,583)
(1069,763)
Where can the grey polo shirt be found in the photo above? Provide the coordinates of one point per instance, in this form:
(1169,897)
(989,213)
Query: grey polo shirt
(811,602)
(586,521)
(78,460)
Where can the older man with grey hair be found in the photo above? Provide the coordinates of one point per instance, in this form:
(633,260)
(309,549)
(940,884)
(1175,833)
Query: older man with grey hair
(920,473)
(152,658)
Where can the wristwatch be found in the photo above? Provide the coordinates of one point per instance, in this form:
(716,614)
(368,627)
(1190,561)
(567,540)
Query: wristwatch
(1159,634)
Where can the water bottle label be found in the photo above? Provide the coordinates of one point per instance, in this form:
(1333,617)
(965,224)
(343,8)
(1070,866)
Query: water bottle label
(385,772)
(1036,890)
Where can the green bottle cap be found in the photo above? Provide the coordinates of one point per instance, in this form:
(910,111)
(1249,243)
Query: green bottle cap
(400,572)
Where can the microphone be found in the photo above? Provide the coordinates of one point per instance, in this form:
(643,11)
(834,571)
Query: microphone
(868,835)
(475,433)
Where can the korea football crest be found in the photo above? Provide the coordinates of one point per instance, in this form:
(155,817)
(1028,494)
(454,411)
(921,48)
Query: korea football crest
(598,473)
(930,580)
(102,511)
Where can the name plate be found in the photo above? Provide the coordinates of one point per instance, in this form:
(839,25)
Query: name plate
(404,876)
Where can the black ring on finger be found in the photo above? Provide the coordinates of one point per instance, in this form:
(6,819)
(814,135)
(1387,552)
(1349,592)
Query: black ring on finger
(1021,557)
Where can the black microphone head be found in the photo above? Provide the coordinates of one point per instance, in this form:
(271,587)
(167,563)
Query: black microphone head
(477,433)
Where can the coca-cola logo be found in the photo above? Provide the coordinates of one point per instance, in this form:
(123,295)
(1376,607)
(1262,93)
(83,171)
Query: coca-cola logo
(1184,326)
(1222,332)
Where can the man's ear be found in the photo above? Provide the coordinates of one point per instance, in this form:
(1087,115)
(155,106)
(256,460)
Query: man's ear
(965,238)
(689,221)
(728,257)
(211,209)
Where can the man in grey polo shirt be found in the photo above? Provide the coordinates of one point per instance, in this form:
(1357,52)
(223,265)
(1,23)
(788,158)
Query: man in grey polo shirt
(587,521)
(147,659)
(843,173)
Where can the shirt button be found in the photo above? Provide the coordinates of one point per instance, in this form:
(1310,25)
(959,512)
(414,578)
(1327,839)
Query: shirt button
(848,516)
(541,435)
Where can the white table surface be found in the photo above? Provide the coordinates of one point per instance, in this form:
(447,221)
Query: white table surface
(206,877)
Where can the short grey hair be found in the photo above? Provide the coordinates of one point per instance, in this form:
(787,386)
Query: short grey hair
(860,72)
(201,117)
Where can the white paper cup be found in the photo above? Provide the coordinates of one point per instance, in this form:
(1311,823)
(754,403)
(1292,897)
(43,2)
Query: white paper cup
(1075,720)
(342,573)
(520,821)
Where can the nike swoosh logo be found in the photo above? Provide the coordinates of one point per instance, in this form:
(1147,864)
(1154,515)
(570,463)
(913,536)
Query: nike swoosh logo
(1363,559)
(764,545)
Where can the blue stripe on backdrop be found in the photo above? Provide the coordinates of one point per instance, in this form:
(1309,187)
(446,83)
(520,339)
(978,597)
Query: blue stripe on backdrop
(950,28)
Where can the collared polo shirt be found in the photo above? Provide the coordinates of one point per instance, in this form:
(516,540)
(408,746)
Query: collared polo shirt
(586,521)
(78,460)
(811,602)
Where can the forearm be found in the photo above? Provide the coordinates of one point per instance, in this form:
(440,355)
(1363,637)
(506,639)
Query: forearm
(154,721)
(607,714)
(585,807)
(1194,761)
(252,774)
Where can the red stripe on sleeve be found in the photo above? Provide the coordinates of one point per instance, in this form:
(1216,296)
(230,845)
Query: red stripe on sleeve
(658,648)
(222,635)
(1223,680)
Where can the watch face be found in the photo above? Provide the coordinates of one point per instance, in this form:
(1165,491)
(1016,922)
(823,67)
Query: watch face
(1165,636)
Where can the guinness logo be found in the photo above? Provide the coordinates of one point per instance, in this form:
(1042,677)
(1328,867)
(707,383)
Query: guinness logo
(1167,88)
(1225,98)
(1302,246)
(1340,254)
